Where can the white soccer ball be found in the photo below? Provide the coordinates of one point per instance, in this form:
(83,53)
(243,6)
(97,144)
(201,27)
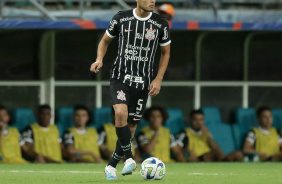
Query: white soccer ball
(152,169)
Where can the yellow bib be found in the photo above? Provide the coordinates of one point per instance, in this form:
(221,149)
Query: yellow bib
(112,137)
(197,143)
(46,142)
(267,144)
(86,142)
(162,148)
(11,151)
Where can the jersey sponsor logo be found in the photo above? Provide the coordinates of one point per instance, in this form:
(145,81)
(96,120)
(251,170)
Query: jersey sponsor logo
(165,34)
(112,25)
(150,35)
(135,115)
(138,36)
(155,23)
(121,95)
(126,19)
(138,48)
(127,30)
(136,58)
(135,79)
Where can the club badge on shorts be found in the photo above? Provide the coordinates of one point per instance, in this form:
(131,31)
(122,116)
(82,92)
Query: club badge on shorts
(150,35)
(121,95)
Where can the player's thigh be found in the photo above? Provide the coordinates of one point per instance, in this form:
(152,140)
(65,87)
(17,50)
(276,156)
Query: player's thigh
(137,105)
(120,95)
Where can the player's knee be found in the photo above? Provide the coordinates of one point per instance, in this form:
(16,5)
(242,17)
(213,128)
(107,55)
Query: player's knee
(120,117)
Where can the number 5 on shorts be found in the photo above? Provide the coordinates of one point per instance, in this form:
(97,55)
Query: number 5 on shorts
(139,103)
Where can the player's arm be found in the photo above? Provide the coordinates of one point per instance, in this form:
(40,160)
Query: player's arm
(192,156)
(248,147)
(111,32)
(102,49)
(147,145)
(155,86)
(68,140)
(176,149)
(164,38)
(211,142)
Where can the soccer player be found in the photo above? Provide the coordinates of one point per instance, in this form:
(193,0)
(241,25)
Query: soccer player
(107,141)
(200,145)
(264,140)
(82,142)
(140,31)
(10,140)
(156,140)
(42,140)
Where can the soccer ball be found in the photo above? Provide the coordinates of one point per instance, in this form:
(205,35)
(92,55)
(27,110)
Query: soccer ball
(152,169)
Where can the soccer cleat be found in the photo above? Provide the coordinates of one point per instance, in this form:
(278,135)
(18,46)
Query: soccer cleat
(111,173)
(129,167)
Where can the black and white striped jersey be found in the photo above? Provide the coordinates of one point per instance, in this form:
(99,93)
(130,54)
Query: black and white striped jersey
(138,42)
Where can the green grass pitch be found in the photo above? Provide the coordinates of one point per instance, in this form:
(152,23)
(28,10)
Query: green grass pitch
(190,173)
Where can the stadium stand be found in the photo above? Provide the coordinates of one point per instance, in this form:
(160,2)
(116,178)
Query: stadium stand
(277,118)
(101,116)
(212,115)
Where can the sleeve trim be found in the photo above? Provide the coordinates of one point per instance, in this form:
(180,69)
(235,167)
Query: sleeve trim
(180,143)
(111,36)
(165,44)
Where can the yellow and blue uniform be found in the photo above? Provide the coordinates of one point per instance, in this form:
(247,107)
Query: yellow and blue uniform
(86,140)
(10,150)
(194,141)
(265,141)
(164,142)
(46,140)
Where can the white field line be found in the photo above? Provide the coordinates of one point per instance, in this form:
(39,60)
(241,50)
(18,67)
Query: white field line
(100,172)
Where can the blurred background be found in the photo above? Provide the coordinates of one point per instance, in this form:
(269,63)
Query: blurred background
(225,54)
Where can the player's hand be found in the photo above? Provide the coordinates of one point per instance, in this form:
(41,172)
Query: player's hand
(95,67)
(155,87)
(263,156)
(205,131)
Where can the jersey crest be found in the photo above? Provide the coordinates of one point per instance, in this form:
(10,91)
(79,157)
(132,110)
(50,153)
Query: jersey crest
(150,35)
(121,95)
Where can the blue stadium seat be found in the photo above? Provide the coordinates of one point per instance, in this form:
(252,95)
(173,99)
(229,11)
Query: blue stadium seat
(222,134)
(64,119)
(212,115)
(245,121)
(277,118)
(101,116)
(22,118)
(175,122)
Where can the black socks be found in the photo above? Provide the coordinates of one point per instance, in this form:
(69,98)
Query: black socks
(124,138)
(117,155)
(123,146)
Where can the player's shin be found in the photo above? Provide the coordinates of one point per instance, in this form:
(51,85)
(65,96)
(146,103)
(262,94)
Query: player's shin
(117,155)
(124,138)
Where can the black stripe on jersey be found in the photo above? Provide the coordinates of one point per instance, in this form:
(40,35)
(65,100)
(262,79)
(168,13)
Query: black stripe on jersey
(140,51)
(149,73)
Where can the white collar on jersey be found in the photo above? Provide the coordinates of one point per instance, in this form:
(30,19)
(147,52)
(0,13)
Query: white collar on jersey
(265,132)
(140,18)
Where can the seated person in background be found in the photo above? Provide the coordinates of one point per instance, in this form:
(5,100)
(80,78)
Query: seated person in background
(157,140)
(42,140)
(81,142)
(10,140)
(200,145)
(108,138)
(264,140)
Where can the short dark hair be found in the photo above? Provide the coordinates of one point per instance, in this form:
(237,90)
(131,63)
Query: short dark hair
(81,107)
(163,111)
(2,107)
(197,111)
(43,107)
(261,109)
